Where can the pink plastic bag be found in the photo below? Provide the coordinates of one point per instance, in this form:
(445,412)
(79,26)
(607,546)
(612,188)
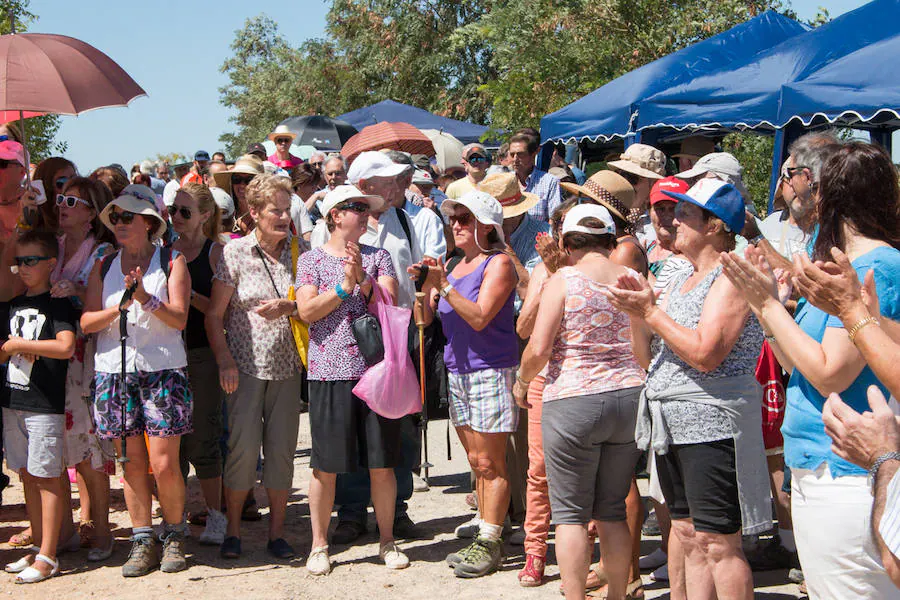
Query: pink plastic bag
(390,388)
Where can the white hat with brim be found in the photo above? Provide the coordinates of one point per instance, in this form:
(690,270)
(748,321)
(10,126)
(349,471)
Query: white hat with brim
(642,160)
(373,164)
(724,165)
(484,207)
(281,132)
(346,193)
(140,200)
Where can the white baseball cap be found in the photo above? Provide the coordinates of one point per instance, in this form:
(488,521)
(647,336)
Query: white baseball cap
(583,211)
(343,193)
(223,200)
(421,177)
(169,192)
(484,207)
(724,165)
(373,164)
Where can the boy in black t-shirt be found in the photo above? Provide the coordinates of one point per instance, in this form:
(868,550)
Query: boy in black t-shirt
(39,334)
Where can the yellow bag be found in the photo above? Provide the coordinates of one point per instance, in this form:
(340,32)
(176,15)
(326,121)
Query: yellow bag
(299,329)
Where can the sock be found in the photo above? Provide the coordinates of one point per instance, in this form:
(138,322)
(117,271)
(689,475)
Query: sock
(138,533)
(787,539)
(490,532)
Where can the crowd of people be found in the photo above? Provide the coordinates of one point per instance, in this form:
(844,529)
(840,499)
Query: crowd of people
(642,319)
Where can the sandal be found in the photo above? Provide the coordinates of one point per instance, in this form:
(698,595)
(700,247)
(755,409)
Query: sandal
(86,531)
(32,575)
(532,574)
(633,591)
(596,579)
(21,564)
(22,539)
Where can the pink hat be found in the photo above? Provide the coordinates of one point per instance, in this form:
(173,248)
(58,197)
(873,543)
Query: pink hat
(14,151)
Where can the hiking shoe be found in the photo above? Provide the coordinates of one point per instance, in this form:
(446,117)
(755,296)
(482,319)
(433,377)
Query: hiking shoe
(214,533)
(454,558)
(142,559)
(773,557)
(469,529)
(651,525)
(347,532)
(393,556)
(482,559)
(319,563)
(173,559)
(279,548)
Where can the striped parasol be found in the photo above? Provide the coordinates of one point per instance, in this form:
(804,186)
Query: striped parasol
(385,135)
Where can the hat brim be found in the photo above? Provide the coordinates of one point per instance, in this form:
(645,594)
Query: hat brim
(734,227)
(376,203)
(682,155)
(222,179)
(521,207)
(583,191)
(271,137)
(694,171)
(137,207)
(447,210)
(630,167)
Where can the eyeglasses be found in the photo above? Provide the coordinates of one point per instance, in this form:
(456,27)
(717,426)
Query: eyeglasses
(61,183)
(238,180)
(30,261)
(788,172)
(478,159)
(317,165)
(283,140)
(357,207)
(184,211)
(71,201)
(464,219)
(126,217)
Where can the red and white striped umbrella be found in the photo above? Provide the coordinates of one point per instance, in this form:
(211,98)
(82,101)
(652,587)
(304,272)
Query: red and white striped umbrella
(385,135)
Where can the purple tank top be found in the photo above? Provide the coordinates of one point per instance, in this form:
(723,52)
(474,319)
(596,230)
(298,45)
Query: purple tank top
(494,347)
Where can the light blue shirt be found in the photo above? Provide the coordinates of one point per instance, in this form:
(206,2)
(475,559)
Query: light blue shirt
(522,242)
(546,187)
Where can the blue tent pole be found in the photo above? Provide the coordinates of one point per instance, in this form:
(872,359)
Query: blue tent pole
(544,156)
(779,153)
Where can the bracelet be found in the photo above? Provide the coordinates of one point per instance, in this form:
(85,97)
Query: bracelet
(522,381)
(152,304)
(363,280)
(860,325)
(340,292)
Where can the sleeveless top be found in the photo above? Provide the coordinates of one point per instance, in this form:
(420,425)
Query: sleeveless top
(151,345)
(494,347)
(201,282)
(592,350)
(691,422)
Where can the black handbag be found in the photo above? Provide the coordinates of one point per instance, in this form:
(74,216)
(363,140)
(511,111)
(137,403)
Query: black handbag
(367,332)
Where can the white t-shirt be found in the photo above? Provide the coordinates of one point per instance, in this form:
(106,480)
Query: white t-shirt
(429,229)
(786,238)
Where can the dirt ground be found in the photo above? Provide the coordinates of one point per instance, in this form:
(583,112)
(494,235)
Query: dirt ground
(357,573)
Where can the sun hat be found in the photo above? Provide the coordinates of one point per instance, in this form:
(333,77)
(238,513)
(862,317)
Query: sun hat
(484,207)
(140,200)
(609,189)
(223,201)
(694,147)
(718,197)
(724,165)
(246,165)
(201,155)
(669,184)
(504,187)
(12,150)
(421,161)
(583,211)
(282,131)
(169,192)
(343,193)
(474,148)
(642,160)
(373,164)
(421,177)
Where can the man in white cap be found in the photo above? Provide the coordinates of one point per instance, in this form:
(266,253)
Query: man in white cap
(642,166)
(428,225)
(476,160)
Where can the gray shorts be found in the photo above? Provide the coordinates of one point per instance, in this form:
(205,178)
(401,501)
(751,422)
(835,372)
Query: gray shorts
(590,455)
(34,441)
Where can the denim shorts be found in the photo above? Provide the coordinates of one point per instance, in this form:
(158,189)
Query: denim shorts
(159,403)
(34,441)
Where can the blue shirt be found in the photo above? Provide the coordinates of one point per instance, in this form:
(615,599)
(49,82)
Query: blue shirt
(546,187)
(522,242)
(806,445)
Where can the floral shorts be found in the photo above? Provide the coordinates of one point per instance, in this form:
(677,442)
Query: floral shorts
(159,403)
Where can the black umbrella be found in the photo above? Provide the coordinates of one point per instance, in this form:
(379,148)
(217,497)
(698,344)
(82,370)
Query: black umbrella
(324,133)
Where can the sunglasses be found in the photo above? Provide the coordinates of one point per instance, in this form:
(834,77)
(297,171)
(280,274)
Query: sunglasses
(184,211)
(464,220)
(283,140)
(357,207)
(317,165)
(478,159)
(71,201)
(61,182)
(788,172)
(30,261)
(126,217)
(237,180)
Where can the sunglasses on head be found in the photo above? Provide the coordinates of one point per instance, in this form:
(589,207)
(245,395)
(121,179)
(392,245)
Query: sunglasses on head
(464,219)
(30,261)
(184,211)
(238,180)
(126,217)
(61,182)
(357,207)
(71,201)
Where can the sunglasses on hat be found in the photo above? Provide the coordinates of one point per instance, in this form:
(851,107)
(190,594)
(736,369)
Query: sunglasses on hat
(184,211)
(126,217)
(71,201)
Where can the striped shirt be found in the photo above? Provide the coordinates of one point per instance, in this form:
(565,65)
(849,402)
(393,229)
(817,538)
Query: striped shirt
(889,528)
(546,187)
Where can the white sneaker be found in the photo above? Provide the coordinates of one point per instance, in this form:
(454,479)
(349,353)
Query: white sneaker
(393,556)
(518,537)
(419,484)
(319,563)
(654,560)
(214,533)
(469,529)
(661,574)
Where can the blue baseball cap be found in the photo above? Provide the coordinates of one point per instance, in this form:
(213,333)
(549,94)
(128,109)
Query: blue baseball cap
(201,155)
(718,197)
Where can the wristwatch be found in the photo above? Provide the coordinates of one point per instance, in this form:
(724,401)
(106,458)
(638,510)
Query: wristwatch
(757,239)
(445,291)
(873,470)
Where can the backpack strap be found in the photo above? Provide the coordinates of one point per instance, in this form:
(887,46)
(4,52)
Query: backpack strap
(404,223)
(166,256)
(106,264)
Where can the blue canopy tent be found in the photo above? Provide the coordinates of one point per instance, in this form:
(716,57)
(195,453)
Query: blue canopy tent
(609,111)
(389,110)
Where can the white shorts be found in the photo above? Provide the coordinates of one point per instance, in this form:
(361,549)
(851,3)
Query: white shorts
(34,441)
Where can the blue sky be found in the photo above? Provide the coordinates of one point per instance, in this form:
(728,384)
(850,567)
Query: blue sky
(174,51)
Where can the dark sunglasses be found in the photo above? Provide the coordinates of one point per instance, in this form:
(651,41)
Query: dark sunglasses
(71,201)
(61,182)
(126,217)
(464,219)
(184,211)
(236,180)
(30,261)
(477,159)
(357,207)
(283,140)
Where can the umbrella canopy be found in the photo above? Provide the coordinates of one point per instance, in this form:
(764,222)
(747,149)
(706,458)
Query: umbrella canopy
(397,112)
(448,149)
(13,115)
(42,72)
(323,133)
(393,136)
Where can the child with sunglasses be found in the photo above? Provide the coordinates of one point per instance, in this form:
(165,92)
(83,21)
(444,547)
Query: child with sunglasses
(40,338)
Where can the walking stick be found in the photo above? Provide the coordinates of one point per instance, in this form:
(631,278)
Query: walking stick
(123,338)
(419,315)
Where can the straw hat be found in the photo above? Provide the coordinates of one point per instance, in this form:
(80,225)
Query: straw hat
(609,189)
(504,187)
(247,165)
(282,131)
(140,200)
(642,160)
